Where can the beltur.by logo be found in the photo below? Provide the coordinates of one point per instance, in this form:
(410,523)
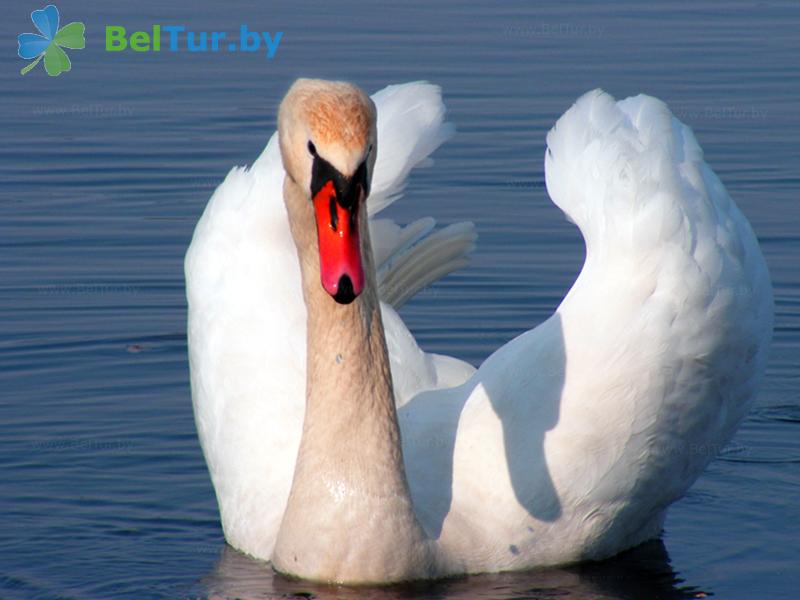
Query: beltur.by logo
(50,41)
(179,38)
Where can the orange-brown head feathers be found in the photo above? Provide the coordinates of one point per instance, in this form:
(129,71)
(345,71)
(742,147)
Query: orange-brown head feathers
(335,117)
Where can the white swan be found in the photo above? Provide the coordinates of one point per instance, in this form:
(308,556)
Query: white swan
(247,319)
(568,443)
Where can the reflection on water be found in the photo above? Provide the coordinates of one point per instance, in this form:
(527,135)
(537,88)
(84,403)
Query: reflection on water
(643,572)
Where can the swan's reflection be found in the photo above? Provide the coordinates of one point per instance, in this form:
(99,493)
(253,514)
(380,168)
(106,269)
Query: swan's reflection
(643,572)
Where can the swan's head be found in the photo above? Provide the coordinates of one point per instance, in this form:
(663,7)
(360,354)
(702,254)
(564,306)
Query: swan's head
(328,143)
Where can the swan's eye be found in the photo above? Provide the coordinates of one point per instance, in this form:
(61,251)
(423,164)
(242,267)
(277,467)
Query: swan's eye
(312,148)
(370,150)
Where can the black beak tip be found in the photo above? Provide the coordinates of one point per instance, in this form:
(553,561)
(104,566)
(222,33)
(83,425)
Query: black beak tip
(345,293)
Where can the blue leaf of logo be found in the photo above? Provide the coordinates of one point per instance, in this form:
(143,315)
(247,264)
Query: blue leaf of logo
(31,45)
(46,21)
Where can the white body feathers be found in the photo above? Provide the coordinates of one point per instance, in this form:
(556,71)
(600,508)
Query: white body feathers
(247,318)
(570,441)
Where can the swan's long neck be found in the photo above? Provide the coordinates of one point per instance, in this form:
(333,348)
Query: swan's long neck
(349,516)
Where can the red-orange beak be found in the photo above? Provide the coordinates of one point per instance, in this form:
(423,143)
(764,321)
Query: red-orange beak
(340,264)
(338,203)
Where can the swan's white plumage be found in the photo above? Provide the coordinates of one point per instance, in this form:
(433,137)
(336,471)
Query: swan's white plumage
(247,318)
(410,127)
(570,441)
(415,263)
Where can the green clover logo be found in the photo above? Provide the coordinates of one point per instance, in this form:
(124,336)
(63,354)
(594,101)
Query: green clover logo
(51,41)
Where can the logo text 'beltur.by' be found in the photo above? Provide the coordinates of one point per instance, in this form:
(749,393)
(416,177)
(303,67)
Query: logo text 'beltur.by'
(177,38)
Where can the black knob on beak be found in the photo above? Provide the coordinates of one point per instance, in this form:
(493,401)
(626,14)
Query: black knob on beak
(344,291)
